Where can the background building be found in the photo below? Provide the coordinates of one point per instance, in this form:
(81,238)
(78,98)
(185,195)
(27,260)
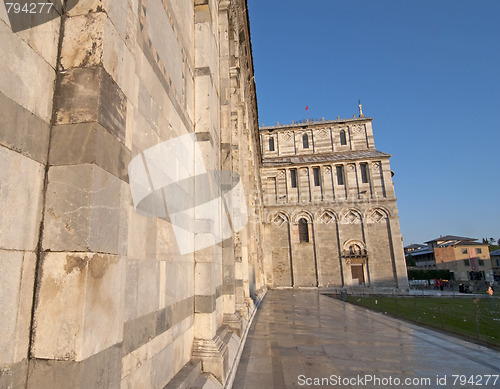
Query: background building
(330,209)
(465,258)
(495,264)
(420,255)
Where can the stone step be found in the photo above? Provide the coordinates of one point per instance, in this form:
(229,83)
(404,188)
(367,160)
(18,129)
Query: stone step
(187,377)
(207,381)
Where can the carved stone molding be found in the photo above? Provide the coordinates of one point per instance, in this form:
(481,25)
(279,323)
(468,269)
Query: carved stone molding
(279,220)
(214,356)
(233,321)
(352,218)
(326,218)
(323,133)
(358,128)
(287,136)
(377,216)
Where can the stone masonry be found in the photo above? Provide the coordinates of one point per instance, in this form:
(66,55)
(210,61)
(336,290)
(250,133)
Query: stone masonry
(93,294)
(96,295)
(330,210)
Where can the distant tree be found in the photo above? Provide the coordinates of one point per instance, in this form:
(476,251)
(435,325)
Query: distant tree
(498,242)
(492,241)
(410,261)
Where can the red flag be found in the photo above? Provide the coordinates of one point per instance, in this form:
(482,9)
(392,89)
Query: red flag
(307,108)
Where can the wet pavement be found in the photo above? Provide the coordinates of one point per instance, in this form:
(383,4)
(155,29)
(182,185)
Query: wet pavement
(301,339)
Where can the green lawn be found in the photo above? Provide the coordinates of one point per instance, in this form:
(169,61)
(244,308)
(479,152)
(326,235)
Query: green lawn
(477,319)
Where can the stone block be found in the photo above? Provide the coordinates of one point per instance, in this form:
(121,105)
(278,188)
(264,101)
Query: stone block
(182,310)
(114,48)
(140,377)
(187,376)
(90,95)
(214,356)
(163,366)
(98,371)
(84,210)
(25,76)
(14,376)
(138,332)
(20,200)
(23,131)
(84,291)
(148,287)
(129,80)
(166,243)
(17,275)
(207,381)
(44,38)
(204,282)
(83,7)
(81,143)
(204,304)
(204,325)
(82,44)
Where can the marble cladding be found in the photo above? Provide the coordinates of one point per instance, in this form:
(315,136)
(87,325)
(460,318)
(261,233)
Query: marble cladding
(103,292)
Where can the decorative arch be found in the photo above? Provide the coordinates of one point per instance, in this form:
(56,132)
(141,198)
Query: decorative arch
(352,216)
(354,248)
(278,218)
(297,215)
(326,216)
(377,215)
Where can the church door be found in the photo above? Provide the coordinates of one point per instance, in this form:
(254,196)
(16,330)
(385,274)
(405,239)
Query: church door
(357,273)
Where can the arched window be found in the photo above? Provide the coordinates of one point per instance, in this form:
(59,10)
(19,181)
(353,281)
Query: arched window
(271,144)
(305,141)
(303,231)
(317,178)
(293,177)
(364,172)
(340,174)
(343,139)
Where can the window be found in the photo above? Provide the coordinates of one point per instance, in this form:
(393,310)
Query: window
(340,175)
(293,177)
(498,262)
(476,275)
(465,251)
(481,262)
(466,262)
(316,176)
(343,139)
(303,231)
(305,141)
(364,172)
(271,144)
(478,250)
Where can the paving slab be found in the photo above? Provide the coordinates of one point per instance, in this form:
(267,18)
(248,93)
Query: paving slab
(302,339)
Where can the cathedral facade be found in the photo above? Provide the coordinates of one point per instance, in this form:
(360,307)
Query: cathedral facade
(331,218)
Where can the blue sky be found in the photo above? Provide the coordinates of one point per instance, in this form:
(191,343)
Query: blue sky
(427,71)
